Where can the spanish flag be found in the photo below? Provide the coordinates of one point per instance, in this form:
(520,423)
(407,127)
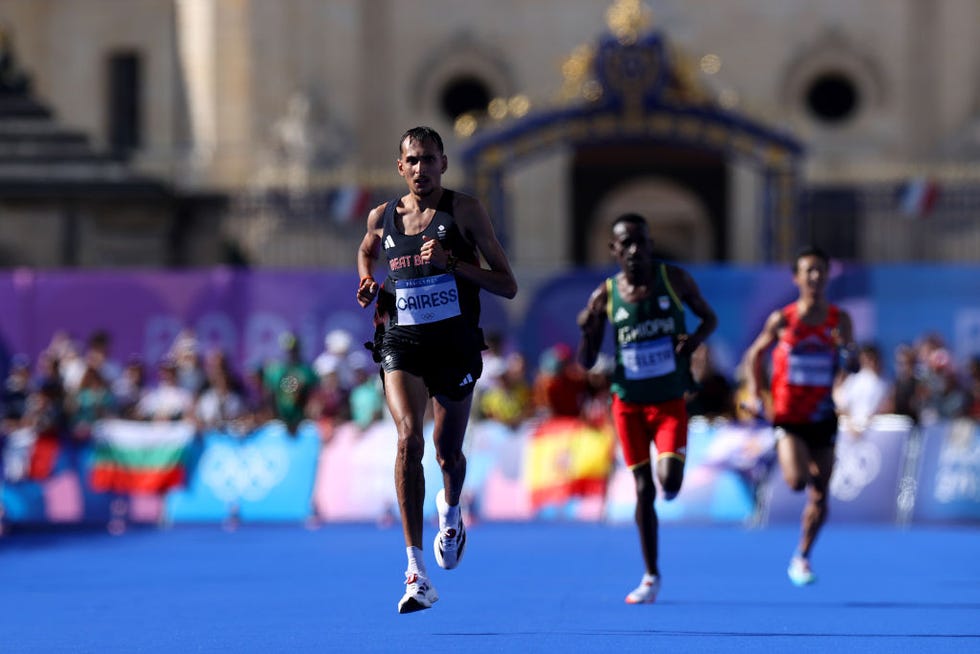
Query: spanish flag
(566,458)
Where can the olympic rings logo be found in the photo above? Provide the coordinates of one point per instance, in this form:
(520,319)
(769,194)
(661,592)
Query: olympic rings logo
(858,464)
(243,472)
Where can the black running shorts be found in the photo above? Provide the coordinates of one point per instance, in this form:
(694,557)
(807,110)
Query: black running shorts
(449,366)
(817,435)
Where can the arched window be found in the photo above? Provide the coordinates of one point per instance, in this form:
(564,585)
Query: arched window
(833,97)
(463,94)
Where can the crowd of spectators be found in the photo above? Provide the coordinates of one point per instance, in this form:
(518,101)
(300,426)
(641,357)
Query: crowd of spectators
(926,385)
(69,387)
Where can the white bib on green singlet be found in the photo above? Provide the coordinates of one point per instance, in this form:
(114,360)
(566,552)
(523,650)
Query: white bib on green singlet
(647,359)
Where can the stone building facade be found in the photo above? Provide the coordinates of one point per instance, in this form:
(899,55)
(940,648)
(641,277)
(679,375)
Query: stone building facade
(267,128)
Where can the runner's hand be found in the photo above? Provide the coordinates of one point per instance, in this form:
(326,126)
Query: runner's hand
(433,252)
(367,290)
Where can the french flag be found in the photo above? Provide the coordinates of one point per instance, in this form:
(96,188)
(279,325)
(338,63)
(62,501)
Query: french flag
(350,203)
(917,197)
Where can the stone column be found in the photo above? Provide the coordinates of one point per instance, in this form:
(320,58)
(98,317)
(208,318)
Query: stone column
(923,89)
(376,132)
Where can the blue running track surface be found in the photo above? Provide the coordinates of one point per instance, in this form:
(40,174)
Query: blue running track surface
(537,587)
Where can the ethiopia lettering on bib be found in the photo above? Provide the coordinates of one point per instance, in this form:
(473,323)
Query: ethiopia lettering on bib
(648,359)
(811,369)
(426,299)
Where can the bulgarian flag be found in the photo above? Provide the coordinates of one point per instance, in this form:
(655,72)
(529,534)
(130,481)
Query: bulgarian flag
(139,457)
(566,458)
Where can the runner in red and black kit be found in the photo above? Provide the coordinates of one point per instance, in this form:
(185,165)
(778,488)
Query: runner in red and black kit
(429,339)
(808,338)
(644,302)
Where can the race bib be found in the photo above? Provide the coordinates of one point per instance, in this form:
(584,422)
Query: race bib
(811,369)
(426,299)
(646,359)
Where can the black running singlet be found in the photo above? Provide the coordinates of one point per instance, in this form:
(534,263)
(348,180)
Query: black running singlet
(418,299)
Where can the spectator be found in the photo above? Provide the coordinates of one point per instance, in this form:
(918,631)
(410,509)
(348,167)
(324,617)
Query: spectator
(16,390)
(336,350)
(905,394)
(559,386)
(864,394)
(290,383)
(973,388)
(508,399)
(329,403)
(943,397)
(167,400)
(367,400)
(129,387)
(45,415)
(258,400)
(186,355)
(221,405)
(91,401)
(494,369)
(70,364)
(494,360)
(97,355)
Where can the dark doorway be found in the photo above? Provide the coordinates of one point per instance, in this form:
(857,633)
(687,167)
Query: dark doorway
(598,169)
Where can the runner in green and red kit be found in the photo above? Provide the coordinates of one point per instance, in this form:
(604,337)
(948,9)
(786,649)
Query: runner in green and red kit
(644,302)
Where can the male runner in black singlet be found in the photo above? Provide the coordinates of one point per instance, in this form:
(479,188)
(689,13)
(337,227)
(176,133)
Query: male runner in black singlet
(429,340)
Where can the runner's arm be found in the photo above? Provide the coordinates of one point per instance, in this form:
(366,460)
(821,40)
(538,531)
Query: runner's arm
(592,323)
(690,295)
(367,255)
(753,357)
(475,222)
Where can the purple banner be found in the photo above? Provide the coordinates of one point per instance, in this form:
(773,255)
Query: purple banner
(240,312)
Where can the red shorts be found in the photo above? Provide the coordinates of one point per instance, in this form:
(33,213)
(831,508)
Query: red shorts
(637,425)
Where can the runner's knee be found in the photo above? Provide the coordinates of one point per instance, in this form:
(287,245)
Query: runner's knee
(411,446)
(646,491)
(670,473)
(794,480)
(450,460)
(671,483)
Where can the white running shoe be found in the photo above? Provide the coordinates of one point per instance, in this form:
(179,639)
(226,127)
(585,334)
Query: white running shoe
(451,539)
(419,594)
(646,592)
(799,572)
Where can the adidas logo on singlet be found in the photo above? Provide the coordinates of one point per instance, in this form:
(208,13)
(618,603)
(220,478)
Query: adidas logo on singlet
(468,379)
(621,314)
(389,242)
